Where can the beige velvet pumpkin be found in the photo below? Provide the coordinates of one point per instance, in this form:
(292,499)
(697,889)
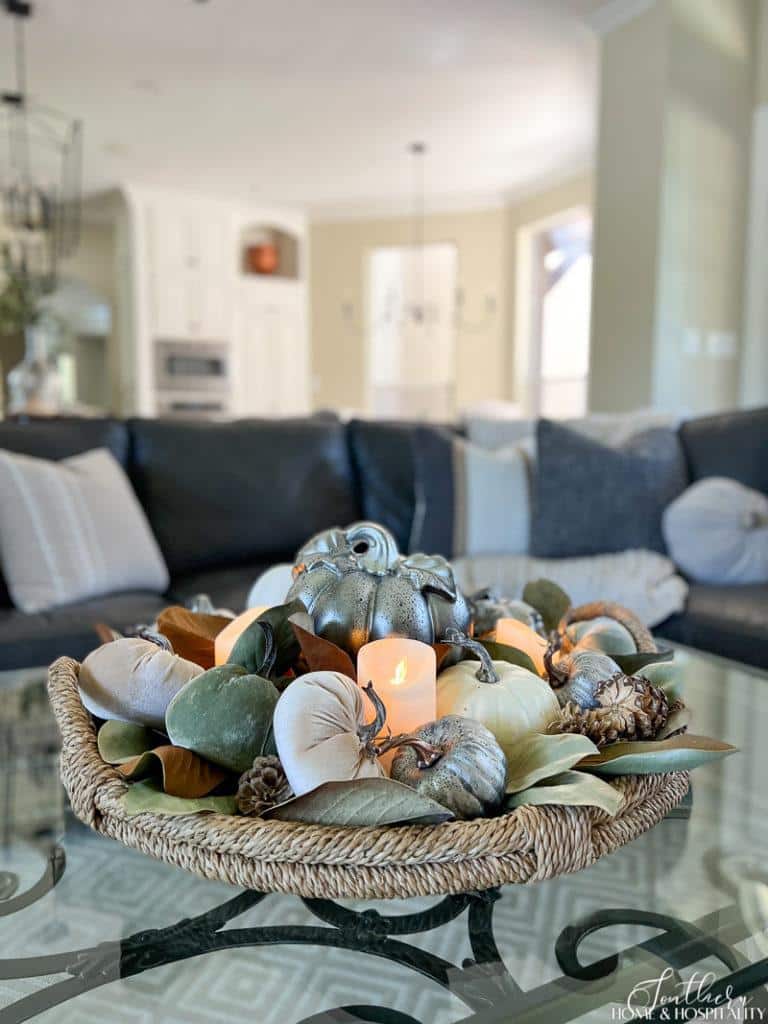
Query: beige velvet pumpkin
(320,732)
(508,700)
(133,680)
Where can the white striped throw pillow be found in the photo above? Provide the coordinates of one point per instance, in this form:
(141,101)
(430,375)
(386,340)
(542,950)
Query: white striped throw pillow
(73,529)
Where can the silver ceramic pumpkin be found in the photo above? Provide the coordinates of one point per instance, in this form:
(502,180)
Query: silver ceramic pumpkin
(357,588)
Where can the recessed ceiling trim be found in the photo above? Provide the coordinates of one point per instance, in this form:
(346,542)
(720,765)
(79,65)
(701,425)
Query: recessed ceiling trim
(616,13)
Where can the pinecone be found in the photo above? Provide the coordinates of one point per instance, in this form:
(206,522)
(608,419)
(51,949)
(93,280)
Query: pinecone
(262,786)
(629,708)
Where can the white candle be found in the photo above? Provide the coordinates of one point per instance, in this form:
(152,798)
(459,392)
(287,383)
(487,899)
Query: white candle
(228,637)
(404,675)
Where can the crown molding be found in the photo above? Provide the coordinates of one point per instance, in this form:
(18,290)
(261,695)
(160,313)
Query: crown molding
(616,13)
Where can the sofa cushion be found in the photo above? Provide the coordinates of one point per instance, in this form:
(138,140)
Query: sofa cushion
(469,500)
(382,458)
(227,588)
(28,641)
(59,438)
(590,499)
(717,532)
(729,621)
(72,530)
(733,444)
(220,494)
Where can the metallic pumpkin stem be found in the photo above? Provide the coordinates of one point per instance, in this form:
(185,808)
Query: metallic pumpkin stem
(368,733)
(556,676)
(427,753)
(486,673)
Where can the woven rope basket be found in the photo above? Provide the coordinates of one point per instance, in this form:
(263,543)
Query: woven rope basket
(528,845)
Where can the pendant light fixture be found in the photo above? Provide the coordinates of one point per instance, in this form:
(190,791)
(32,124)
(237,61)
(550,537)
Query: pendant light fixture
(39,173)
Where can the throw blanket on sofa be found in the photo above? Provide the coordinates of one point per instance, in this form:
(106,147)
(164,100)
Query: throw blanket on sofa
(644,581)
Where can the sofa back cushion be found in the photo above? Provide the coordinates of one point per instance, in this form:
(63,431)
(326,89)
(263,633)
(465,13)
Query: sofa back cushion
(60,438)
(733,444)
(217,494)
(382,458)
(589,499)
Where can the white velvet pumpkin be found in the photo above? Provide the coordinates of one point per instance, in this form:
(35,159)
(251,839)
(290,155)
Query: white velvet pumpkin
(516,703)
(319,728)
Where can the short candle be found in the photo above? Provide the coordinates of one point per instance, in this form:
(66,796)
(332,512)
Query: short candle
(515,633)
(228,637)
(404,675)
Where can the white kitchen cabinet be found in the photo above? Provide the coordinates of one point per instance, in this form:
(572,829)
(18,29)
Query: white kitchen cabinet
(188,250)
(272,353)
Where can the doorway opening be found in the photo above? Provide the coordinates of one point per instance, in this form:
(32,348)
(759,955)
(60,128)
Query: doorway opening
(554,289)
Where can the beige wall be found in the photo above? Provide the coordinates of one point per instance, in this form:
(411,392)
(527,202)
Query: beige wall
(485,240)
(338,253)
(676,92)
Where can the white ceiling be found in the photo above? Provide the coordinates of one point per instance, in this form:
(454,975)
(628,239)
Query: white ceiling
(313,103)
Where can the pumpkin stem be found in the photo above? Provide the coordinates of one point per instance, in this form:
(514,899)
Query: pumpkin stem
(486,673)
(427,753)
(557,677)
(368,733)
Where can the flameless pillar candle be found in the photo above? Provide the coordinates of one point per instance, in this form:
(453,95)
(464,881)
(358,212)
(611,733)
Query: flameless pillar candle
(404,675)
(514,633)
(228,637)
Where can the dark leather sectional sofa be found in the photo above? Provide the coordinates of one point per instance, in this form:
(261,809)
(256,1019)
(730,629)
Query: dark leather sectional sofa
(228,500)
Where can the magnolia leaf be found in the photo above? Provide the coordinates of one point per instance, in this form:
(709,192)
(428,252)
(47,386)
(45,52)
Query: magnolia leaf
(537,756)
(119,742)
(323,655)
(191,634)
(183,773)
(512,655)
(268,646)
(633,664)
(647,757)
(147,796)
(549,600)
(677,722)
(361,802)
(571,789)
(668,676)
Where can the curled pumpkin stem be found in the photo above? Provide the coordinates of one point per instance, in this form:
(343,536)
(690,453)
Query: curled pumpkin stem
(557,677)
(427,753)
(486,673)
(596,609)
(368,733)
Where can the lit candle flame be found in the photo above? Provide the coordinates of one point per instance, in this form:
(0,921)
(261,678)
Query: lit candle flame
(400,672)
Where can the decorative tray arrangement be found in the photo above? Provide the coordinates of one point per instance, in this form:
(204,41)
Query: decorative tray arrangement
(379,734)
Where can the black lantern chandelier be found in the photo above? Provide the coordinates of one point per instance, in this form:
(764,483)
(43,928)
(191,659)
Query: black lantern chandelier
(39,174)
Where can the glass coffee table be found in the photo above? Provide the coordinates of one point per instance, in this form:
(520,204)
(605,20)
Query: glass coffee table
(670,927)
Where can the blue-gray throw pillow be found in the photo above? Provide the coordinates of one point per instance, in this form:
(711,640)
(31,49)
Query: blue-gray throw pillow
(591,499)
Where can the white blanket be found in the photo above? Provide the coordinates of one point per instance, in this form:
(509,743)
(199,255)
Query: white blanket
(643,581)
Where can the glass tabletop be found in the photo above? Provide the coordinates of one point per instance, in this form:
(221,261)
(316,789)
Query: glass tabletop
(669,927)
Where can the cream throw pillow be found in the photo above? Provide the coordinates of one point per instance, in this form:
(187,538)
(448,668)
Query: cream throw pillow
(73,529)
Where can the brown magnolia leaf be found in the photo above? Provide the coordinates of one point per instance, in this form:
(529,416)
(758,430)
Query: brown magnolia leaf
(441,653)
(192,634)
(105,633)
(184,774)
(323,655)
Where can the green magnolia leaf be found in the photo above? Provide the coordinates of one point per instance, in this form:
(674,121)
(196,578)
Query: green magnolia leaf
(571,789)
(677,722)
(634,664)
(361,802)
(147,796)
(539,756)
(268,646)
(502,652)
(668,676)
(648,757)
(122,741)
(549,600)
(181,772)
